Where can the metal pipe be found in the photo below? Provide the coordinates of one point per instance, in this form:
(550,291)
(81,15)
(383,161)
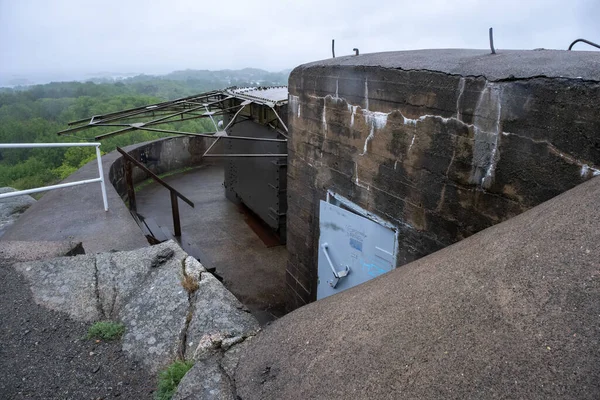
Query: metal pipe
(333,47)
(175,211)
(30,145)
(243,105)
(356,51)
(211,146)
(143,128)
(51,187)
(280,120)
(101,173)
(584,41)
(141,166)
(492,41)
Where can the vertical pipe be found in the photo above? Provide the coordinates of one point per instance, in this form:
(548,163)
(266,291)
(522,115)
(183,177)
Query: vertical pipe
(130,189)
(175,208)
(492,41)
(333,47)
(101,173)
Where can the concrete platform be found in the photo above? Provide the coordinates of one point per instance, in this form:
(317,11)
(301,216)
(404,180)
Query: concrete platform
(77,214)
(216,227)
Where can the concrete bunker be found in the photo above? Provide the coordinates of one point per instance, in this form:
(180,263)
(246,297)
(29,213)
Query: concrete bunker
(440,144)
(433,146)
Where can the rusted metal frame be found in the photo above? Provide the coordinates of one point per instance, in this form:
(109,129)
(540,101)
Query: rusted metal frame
(227,97)
(154,176)
(211,146)
(210,114)
(153,122)
(276,129)
(143,128)
(175,212)
(144,108)
(130,189)
(113,133)
(120,117)
(242,106)
(281,122)
(136,111)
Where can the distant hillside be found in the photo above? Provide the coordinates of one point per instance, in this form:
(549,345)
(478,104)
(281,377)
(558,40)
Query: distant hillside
(195,80)
(35,113)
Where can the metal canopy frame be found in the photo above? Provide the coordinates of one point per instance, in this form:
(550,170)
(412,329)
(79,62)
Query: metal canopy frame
(204,105)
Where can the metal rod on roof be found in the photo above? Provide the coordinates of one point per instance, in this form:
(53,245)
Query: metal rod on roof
(492,41)
(143,128)
(333,47)
(584,41)
(356,51)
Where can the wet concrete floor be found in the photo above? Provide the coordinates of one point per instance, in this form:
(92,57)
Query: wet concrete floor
(217,229)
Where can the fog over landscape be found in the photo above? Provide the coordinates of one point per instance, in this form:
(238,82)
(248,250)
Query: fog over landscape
(44,41)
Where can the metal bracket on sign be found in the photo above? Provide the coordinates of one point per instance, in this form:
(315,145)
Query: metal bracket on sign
(337,275)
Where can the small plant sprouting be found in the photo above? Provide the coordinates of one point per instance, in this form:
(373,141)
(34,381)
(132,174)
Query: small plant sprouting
(189,283)
(170,378)
(106,330)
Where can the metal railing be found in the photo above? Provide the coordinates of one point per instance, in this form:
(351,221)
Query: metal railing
(60,185)
(128,166)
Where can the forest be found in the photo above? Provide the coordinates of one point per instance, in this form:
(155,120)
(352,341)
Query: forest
(36,113)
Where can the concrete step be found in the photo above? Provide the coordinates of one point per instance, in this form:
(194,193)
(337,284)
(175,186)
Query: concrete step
(155,230)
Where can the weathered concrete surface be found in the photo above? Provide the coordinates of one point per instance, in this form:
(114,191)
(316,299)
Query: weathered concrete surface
(440,143)
(217,228)
(511,312)
(12,208)
(505,64)
(77,214)
(12,252)
(64,284)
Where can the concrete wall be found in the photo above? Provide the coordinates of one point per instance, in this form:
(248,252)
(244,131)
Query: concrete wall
(161,156)
(441,152)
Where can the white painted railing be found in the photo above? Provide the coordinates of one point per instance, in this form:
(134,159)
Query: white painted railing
(60,185)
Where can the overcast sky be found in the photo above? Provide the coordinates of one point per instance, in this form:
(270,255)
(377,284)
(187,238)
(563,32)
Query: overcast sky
(74,37)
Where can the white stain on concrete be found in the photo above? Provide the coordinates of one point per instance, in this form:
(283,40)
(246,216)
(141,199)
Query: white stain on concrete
(376,120)
(357,181)
(366,94)
(412,142)
(461,90)
(487,132)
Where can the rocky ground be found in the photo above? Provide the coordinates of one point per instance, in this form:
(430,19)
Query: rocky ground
(44,354)
(12,208)
(172,308)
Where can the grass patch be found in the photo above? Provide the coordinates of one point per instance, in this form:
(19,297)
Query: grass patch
(170,378)
(190,284)
(106,330)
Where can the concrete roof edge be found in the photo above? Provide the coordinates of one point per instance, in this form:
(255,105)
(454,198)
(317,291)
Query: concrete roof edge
(505,65)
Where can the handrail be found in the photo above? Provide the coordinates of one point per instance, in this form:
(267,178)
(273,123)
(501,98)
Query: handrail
(60,185)
(131,192)
(154,176)
(584,41)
